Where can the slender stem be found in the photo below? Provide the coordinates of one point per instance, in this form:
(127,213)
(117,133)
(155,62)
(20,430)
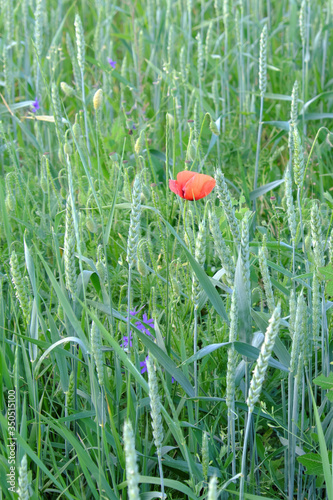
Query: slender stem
(85,117)
(290,412)
(256,173)
(243,468)
(129,305)
(161,472)
(303,88)
(195,340)
(293,440)
(307,49)
(284,417)
(226,74)
(302,228)
(231,436)
(325,339)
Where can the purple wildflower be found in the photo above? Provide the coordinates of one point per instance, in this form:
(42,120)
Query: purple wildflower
(35,105)
(124,343)
(112,63)
(143,365)
(127,342)
(142,327)
(135,312)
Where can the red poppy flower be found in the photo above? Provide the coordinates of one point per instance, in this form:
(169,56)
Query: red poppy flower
(191,185)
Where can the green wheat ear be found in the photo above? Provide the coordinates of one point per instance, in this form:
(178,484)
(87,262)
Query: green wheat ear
(96,349)
(132,473)
(225,199)
(80,42)
(205,455)
(212,489)
(316,234)
(298,158)
(20,287)
(263,62)
(259,372)
(23,482)
(134,229)
(155,405)
(69,250)
(290,204)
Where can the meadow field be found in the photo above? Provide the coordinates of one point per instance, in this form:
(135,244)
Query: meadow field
(166,249)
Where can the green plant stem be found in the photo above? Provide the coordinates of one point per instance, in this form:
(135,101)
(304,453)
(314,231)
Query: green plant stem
(290,412)
(195,365)
(161,472)
(256,172)
(85,118)
(302,228)
(243,467)
(129,305)
(231,436)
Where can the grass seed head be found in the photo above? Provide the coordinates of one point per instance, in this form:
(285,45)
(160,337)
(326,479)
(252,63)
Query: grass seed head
(259,372)
(132,473)
(98,99)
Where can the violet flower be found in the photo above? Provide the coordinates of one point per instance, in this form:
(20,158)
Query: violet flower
(112,63)
(125,343)
(143,365)
(149,322)
(35,105)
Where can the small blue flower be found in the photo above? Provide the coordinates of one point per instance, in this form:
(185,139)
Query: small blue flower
(35,105)
(124,343)
(112,63)
(127,342)
(149,322)
(143,365)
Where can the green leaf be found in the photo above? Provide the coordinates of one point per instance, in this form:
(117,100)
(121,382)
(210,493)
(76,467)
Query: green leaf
(317,116)
(307,104)
(283,125)
(280,269)
(252,352)
(323,451)
(324,382)
(208,349)
(327,272)
(277,97)
(165,361)
(241,347)
(169,483)
(313,463)
(264,189)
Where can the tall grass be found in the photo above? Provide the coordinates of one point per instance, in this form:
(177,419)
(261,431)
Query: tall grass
(157,346)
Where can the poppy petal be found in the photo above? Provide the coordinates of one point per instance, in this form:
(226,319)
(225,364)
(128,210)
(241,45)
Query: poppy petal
(198,187)
(175,188)
(184,176)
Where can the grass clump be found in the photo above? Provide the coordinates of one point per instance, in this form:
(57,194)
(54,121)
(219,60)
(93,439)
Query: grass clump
(157,345)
